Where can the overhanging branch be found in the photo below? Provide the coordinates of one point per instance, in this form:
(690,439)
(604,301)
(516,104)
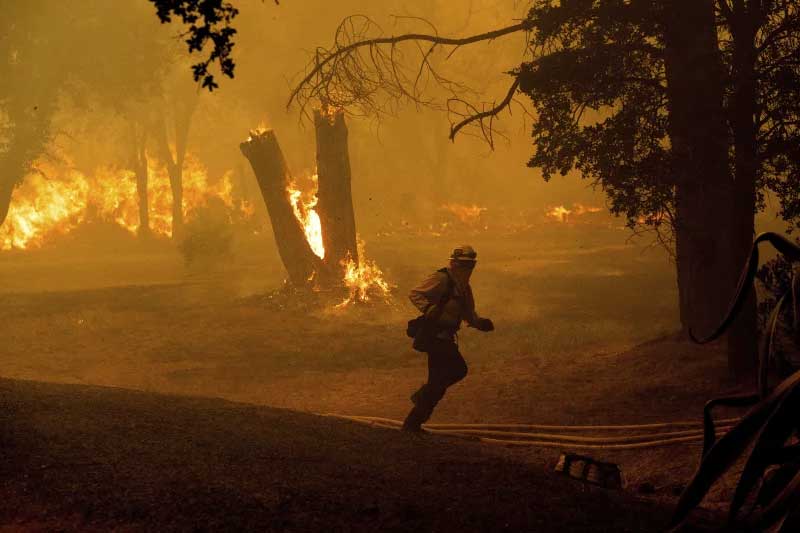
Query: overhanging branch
(489,113)
(322,60)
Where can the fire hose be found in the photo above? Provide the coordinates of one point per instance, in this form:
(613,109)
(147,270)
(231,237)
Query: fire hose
(549,436)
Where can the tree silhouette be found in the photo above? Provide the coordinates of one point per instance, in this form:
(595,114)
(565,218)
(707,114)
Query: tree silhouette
(208,21)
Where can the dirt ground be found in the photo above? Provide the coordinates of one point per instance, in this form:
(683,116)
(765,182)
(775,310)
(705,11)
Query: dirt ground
(81,458)
(585,334)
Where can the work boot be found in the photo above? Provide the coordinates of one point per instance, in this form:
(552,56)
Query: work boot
(413,422)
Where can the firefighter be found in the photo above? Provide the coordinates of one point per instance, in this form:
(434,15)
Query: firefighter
(445,299)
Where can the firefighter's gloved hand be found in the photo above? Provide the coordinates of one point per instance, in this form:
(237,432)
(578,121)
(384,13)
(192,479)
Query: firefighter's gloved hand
(484,324)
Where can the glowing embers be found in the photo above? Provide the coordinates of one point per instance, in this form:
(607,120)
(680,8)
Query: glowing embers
(303,204)
(260,130)
(364,279)
(329,112)
(45,207)
(467,214)
(559,213)
(564,215)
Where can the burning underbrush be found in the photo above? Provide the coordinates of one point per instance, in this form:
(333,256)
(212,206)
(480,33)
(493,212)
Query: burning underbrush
(58,199)
(578,214)
(454,220)
(364,280)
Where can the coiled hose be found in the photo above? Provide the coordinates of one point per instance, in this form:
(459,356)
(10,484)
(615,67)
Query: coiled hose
(548,436)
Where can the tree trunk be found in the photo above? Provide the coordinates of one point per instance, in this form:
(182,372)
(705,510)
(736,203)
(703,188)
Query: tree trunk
(334,195)
(176,186)
(743,339)
(182,113)
(707,267)
(141,191)
(269,166)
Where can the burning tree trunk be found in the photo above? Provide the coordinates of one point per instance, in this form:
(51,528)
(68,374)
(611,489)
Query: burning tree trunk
(183,106)
(139,164)
(335,199)
(269,166)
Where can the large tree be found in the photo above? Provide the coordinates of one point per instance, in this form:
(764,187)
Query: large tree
(683,111)
(662,104)
(49,48)
(32,67)
(632,95)
(172,137)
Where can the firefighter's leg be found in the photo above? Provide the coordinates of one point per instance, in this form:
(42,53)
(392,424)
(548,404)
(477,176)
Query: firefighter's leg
(454,367)
(445,367)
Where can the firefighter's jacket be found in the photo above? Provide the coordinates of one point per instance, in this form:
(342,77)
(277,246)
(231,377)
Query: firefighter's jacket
(460,307)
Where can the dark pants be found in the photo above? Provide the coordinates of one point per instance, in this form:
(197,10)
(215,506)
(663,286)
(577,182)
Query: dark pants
(446,367)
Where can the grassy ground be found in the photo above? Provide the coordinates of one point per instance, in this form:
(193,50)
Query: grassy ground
(576,313)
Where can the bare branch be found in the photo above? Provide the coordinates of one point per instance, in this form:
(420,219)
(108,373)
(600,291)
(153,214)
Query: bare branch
(344,51)
(489,113)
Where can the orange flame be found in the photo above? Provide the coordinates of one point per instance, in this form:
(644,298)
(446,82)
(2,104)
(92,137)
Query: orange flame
(42,208)
(303,204)
(559,213)
(564,215)
(467,214)
(261,129)
(56,208)
(329,112)
(363,279)
(581,209)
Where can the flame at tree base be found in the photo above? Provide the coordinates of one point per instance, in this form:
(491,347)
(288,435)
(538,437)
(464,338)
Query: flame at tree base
(364,280)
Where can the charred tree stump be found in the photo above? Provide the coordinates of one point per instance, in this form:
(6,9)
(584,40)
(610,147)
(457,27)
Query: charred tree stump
(335,200)
(269,166)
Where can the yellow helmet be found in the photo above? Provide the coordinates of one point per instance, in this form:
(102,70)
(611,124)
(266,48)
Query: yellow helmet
(465,252)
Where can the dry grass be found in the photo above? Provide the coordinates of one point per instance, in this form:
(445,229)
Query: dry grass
(569,312)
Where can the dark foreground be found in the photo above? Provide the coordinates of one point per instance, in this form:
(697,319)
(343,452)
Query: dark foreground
(91,458)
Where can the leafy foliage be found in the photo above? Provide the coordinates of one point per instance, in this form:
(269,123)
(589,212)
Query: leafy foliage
(208,20)
(776,278)
(598,88)
(778,112)
(779,282)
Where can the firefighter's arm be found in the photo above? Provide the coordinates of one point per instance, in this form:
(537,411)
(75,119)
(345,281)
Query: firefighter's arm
(476,321)
(480,323)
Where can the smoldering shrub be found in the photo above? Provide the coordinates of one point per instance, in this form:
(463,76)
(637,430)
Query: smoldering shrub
(208,235)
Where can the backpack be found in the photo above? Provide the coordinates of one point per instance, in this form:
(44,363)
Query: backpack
(424,329)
